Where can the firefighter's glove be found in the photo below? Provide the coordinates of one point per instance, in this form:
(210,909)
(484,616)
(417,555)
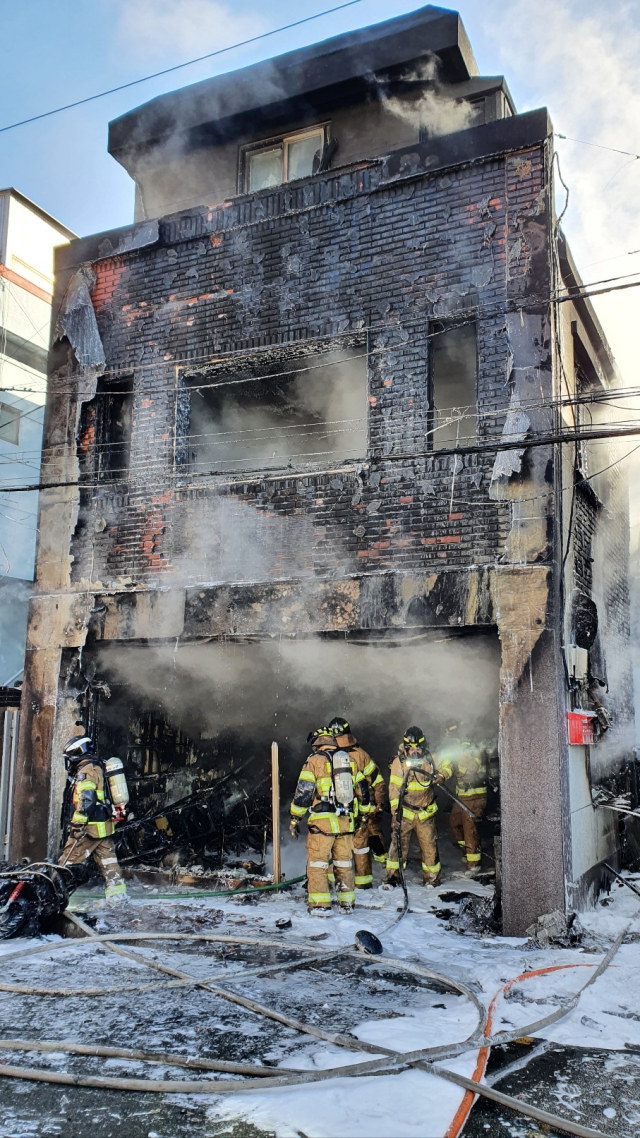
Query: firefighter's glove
(294,828)
(119,813)
(76,831)
(439,778)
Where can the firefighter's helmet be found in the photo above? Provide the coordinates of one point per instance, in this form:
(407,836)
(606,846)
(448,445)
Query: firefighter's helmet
(339,726)
(414,737)
(76,748)
(317,733)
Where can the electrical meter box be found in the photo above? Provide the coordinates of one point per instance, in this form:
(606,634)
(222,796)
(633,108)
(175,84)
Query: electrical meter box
(581,725)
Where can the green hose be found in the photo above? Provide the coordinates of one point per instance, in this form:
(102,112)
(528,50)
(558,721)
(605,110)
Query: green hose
(229,892)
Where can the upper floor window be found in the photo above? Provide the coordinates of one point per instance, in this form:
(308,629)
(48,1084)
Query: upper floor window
(454,368)
(9,424)
(105,434)
(279,160)
(280,410)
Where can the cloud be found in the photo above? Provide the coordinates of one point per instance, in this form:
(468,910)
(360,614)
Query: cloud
(582,62)
(173,30)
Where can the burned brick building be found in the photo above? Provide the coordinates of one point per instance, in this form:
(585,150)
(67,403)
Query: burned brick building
(305,453)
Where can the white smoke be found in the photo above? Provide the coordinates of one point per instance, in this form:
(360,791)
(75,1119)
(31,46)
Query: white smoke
(280,689)
(433,107)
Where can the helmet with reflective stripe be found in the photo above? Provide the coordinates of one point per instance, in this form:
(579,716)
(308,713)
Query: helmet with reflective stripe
(339,726)
(78,746)
(413,737)
(313,736)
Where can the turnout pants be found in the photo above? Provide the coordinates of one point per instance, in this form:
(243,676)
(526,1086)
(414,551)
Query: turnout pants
(426,832)
(103,852)
(368,842)
(464,829)
(321,849)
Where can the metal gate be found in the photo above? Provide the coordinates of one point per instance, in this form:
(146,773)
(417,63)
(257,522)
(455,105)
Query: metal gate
(9,727)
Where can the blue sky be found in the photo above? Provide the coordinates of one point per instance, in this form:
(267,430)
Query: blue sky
(56,51)
(579,60)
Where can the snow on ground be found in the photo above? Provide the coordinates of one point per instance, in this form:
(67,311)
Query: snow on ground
(384,1010)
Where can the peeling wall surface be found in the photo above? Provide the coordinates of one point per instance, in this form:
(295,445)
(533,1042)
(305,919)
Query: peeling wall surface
(377,253)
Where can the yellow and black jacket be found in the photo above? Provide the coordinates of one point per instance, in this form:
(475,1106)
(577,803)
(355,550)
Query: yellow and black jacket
(419,795)
(364,763)
(315,793)
(469,763)
(91,804)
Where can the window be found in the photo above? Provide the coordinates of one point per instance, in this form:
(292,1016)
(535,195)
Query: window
(283,160)
(453,385)
(9,424)
(281,412)
(115,410)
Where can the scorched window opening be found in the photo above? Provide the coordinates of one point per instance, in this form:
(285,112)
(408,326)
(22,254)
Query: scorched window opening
(112,414)
(453,366)
(279,413)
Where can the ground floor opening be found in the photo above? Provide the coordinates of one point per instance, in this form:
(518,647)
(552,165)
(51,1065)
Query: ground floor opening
(194,722)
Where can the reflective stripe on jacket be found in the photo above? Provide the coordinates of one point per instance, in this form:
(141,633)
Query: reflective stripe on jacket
(91,807)
(314,793)
(419,791)
(469,763)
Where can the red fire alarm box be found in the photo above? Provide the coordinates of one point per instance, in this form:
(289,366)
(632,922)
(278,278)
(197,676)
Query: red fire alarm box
(581,727)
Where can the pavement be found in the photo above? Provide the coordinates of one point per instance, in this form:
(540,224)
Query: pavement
(588,1073)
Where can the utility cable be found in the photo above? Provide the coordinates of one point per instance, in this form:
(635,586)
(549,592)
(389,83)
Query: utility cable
(493,446)
(599,145)
(179,66)
(578,292)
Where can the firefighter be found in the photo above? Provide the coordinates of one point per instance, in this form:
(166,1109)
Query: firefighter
(333,790)
(414,777)
(93,815)
(469,763)
(368,839)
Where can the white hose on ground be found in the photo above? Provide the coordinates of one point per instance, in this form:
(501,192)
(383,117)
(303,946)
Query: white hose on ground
(392,1061)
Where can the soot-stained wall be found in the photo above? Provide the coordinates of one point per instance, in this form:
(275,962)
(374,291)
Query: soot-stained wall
(373,259)
(359,252)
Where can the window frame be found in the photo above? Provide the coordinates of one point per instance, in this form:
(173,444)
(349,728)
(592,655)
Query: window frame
(276,142)
(14,418)
(99,456)
(188,383)
(441,327)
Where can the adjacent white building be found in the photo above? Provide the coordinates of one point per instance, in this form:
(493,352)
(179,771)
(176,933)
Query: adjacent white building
(28,237)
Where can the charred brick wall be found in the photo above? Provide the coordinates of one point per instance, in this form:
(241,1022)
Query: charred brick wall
(368,252)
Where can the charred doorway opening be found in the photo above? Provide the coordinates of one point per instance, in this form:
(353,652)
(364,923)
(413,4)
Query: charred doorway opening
(193,722)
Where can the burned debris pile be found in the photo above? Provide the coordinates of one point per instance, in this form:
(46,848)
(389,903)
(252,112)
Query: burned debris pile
(31,894)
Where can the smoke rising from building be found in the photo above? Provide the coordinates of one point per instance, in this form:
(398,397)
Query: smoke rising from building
(311,409)
(427,104)
(253,693)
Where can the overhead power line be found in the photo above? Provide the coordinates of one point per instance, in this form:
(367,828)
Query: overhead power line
(599,145)
(179,66)
(493,446)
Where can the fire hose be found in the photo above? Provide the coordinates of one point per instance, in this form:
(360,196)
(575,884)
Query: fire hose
(396,828)
(423,1059)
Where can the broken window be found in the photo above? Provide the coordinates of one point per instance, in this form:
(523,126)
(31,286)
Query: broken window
(9,424)
(453,385)
(283,412)
(283,160)
(107,419)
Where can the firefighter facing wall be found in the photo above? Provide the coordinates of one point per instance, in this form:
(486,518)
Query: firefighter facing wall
(387,508)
